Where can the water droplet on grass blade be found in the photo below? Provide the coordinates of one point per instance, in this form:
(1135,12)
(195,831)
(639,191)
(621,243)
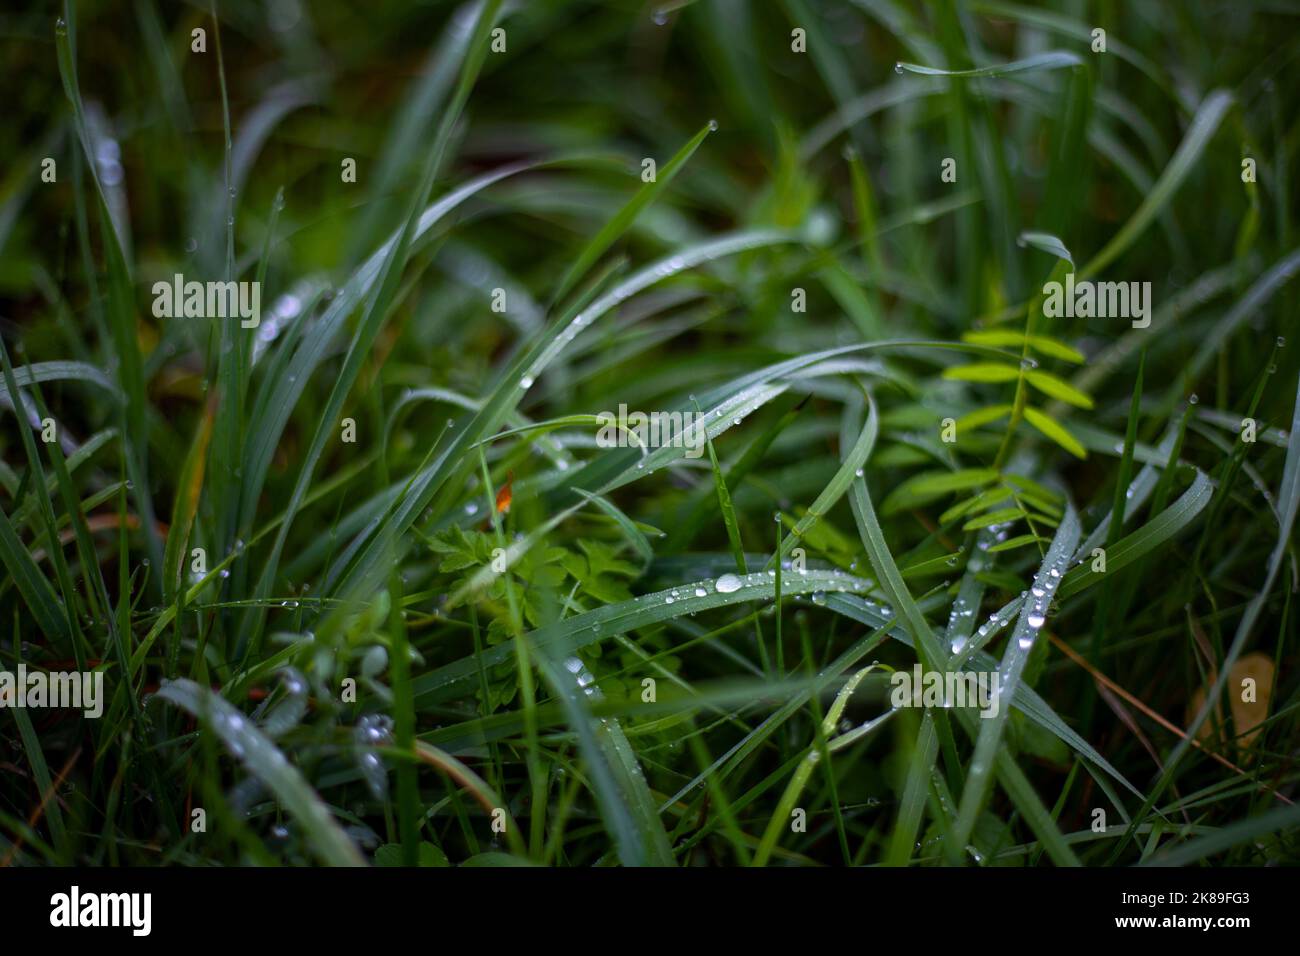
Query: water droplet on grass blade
(727,583)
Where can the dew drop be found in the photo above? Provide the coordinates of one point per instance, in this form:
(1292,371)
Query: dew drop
(727,584)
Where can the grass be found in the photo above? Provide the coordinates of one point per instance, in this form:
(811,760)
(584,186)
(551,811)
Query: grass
(363,584)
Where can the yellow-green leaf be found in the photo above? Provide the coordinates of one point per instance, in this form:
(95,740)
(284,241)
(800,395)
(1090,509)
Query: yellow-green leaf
(1047,346)
(935,484)
(1053,386)
(1017,542)
(982,416)
(1042,344)
(1056,432)
(982,372)
(1001,516)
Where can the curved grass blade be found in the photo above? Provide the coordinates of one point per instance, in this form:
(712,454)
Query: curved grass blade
(267,763)
(623,219)
(1146,538)
(358,352)
(1032,617)
(1046,242)
(781,816)
(1052,60)
(186,503)
(121,306)
(1203,126)
(60,371)
(852,467)
(571,634)
(621,792)
(1288,504)
(911,806)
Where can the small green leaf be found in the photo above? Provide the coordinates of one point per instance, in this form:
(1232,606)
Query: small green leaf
(1034,487)
(985,499)
(929,485)
(1055,432)
(984,416)
(1001,516)
(982,372)
(1042,344)
(1056,349)
(1053,386)
(1017,542)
